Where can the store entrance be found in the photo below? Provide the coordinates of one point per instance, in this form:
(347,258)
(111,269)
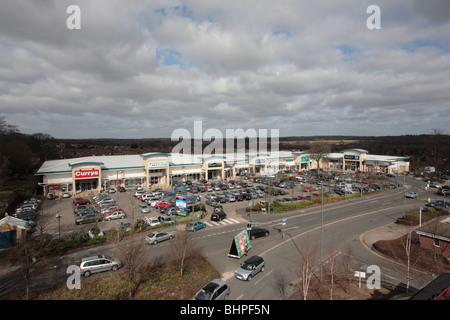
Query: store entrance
(86,185)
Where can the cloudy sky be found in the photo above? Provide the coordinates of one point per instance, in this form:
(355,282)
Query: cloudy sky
(141,69)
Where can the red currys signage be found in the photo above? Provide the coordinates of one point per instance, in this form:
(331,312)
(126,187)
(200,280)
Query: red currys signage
(86,173)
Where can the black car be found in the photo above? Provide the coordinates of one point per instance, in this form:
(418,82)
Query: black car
(218,216)
(87,218)
(247,196)
(256,232)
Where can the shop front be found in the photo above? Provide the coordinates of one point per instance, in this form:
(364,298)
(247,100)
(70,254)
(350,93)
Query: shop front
(86,179)
(214,168)
(157,169)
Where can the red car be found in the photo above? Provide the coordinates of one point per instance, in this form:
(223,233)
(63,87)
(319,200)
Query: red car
(81,201)
(308,189)
(162,204)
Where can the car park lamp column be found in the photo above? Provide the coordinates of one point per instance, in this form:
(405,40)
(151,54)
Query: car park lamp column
(58,217)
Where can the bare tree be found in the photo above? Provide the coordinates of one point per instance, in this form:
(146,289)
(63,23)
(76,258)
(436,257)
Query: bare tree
(130,252)
(308,255)
(182,247)
(436,146)
(280,283)
(318,151)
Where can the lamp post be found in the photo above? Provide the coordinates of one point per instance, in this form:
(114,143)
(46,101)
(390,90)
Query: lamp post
(321,238)
(58,217)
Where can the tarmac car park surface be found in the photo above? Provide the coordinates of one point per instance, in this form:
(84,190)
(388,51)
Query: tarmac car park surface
(230,198)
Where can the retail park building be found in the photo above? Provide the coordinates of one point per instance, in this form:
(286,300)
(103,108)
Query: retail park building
(164,169)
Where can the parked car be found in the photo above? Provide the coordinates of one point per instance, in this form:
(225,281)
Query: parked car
(195,225)
(166,219)
(158,236)
(435,185)
(144,208)
(81,201)
(257,232)
(152,221)
(87,218)
(162,204)
(218,216)
(111,211)
(440,203)
(98,263)
(249,268)
(216,289)
(117,214)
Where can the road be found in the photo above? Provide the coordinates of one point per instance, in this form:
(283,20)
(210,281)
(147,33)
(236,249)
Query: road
(343,224)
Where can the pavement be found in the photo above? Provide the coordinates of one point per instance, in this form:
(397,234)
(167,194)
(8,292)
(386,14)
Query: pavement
(387,232)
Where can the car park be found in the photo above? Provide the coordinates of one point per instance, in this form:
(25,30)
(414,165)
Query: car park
(158,236)
(99,263)
(195,225)
(257,232)
(216,289)
(249,268)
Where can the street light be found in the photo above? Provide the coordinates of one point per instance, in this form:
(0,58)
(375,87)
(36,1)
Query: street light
(321,238)
(59,225)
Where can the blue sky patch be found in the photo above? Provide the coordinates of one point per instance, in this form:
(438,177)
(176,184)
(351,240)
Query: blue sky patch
(416,44)
(168,56)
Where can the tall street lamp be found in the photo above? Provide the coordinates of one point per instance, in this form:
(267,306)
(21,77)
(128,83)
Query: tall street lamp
(59,225)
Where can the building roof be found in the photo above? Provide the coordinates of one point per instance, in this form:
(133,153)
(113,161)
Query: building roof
(105,162)
(438,229)
(438,289)
(355,150)
(13,222)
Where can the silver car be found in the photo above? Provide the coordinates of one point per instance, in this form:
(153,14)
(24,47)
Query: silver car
(158,236)
(214,290)
(98,263)
(411,194)
(144,208)
(249,268)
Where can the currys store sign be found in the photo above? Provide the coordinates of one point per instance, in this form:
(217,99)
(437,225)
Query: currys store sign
(79,174)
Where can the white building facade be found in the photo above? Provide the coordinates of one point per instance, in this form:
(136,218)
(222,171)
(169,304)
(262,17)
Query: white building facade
(155,170)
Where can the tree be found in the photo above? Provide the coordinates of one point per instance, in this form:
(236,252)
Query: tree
(436,146)
(130,252)
(318,151)
(182,247)
(308,255)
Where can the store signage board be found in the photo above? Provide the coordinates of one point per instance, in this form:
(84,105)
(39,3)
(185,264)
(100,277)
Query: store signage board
(240,245)
(80,174)
(157,164)
(181,200)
